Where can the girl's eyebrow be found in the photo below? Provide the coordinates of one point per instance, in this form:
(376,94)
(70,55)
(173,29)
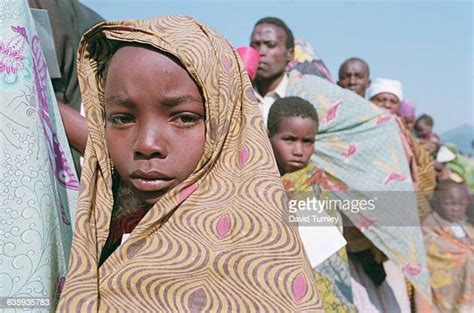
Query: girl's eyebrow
(169,102)
(120,101)
(174,101)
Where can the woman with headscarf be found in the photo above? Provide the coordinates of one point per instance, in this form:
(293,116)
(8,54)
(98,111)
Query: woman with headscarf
(407,112)
(198,223)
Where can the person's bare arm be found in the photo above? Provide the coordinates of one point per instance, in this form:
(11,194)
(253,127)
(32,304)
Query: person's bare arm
(75,126)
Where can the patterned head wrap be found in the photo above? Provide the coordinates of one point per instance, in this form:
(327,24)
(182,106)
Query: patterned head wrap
(215,242)
(380,85)
(307,62)
(407,109)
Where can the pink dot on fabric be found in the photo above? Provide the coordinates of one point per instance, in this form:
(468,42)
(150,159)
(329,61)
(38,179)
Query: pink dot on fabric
(223,226)
(243,157)
(299,287)
(186,192)
(395,177)
(350,151)
(227,63)
(332,113)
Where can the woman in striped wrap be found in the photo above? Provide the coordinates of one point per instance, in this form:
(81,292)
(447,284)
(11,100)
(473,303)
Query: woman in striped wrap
(216,240)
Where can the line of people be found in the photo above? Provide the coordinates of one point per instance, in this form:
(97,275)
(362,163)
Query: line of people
(191,155)
(376,281)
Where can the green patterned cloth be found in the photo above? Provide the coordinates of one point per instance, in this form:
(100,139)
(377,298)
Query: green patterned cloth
(360,145)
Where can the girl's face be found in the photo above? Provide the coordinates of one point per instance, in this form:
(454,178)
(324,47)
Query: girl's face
(293,143)
(387,100)
(155,129)
(452,204)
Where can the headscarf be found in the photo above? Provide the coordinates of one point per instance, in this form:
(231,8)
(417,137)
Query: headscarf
(215,242)
(307,62)
(407,109)
(380,85)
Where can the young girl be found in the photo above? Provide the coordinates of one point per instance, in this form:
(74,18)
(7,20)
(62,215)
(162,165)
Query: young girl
(449,242)
(181,206)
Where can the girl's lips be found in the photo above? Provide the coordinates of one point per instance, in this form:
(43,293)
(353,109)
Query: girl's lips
(151,185)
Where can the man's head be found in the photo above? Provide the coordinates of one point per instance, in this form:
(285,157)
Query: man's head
(292,127)
(275,43)
(354,75)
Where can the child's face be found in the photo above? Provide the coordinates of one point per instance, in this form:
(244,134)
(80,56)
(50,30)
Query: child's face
(293,143)
(155,115)
(423,129)
(409,122)
(452,204)
(387,100)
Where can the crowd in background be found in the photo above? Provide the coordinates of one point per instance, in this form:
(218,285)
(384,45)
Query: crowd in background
(201,226)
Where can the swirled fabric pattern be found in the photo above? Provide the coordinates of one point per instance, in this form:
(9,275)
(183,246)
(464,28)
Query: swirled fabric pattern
(217,241)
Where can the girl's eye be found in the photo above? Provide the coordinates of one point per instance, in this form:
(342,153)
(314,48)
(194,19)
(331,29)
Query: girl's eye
(186,119)
(121,119)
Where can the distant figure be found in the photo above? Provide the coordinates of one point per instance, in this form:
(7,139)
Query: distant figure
(424,133)
(463,166)
(407,112)
(443,157)
(354,75)
(386,93)
(449,242)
